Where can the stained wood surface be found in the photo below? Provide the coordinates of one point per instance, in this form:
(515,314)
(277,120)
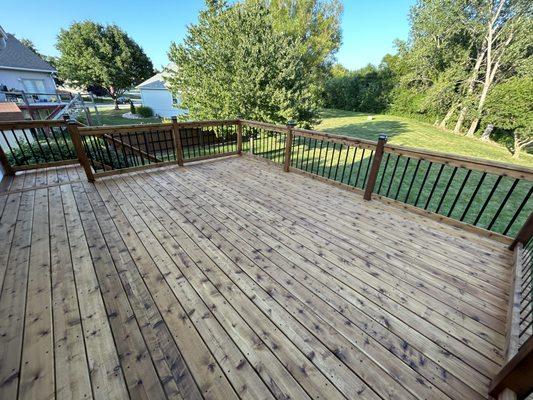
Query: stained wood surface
(231,279)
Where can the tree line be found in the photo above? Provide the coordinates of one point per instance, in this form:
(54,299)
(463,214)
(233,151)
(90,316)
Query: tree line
(466,66)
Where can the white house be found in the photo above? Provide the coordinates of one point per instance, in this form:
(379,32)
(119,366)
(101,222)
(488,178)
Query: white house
(23,70)
(155,94)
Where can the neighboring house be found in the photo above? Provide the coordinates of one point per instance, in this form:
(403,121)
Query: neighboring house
(155,94)
(23,70)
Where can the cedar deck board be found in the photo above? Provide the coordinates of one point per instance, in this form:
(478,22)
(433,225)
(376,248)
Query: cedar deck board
(233,279)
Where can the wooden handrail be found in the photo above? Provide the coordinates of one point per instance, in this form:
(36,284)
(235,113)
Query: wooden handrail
(504,169)
(39,123)
(517,374)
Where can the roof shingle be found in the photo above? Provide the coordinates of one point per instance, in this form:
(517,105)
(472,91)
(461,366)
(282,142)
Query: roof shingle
(17,56)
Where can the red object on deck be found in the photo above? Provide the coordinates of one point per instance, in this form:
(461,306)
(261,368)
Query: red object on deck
(10,112)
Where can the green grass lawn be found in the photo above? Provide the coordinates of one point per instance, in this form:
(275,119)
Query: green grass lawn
(110,116)
(407,132)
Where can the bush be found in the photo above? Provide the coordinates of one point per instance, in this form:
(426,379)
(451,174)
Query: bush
(132,108)
(145,112)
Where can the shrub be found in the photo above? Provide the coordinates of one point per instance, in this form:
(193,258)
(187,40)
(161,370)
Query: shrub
(145,112)
(132,108)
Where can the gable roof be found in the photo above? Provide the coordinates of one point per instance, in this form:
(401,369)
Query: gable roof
(158,80)
(17,56)
(155,82)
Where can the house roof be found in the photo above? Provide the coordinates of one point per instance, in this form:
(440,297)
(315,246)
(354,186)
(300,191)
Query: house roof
(17,56)
(155,82)
(158,80)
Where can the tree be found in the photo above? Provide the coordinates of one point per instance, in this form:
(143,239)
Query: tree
(509,107)
(236,61)
(93,54)
(30,45)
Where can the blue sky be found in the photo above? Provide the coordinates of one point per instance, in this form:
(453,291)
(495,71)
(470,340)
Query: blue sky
(369,27)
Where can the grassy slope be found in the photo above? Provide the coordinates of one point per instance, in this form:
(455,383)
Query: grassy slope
(407,132)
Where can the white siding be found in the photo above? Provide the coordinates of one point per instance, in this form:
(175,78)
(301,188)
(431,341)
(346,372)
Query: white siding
(13,79)
(159,100)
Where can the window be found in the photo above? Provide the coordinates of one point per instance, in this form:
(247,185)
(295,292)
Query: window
(34,85)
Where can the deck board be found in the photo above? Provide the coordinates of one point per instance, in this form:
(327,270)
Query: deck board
(232,279)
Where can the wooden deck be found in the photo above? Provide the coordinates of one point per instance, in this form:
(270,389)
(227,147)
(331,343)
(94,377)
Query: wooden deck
(232,279)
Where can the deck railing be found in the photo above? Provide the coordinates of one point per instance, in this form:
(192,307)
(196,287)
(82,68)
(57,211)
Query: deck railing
(495,198)
(35,144)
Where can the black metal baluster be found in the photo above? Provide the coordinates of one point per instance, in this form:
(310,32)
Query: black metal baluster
(412,181)
(350,173)
(473,195)
(503,203)
(447,187)
(45,136)
(338,162)
(519,210)
(13,154)
(20,147)
(459,192)
(434,186)
(35,136)
(384,173)
(368,167)
(402,178)
(423,183)
(359,167)
(393,175)
(489,197)
(345,163)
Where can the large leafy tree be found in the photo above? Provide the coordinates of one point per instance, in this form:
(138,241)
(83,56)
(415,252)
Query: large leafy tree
(105,56)
(239,60)
(509,108)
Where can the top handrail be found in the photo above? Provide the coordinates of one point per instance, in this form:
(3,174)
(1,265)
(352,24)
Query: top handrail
(504,169)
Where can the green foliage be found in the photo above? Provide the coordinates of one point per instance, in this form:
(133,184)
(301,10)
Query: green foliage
(510,109)
(41,151)
(366,89)
(241,60)
(145,112)
(93,54)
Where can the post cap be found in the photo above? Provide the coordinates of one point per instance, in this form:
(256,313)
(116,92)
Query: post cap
(174,118)
(383,137)
(291,123)
(66,117)
(72,122)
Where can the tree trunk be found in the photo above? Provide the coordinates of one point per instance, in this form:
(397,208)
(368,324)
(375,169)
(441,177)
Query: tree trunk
(493,63)
(517,148)
(486,133)
(442,124)
(469,91)
(116,104)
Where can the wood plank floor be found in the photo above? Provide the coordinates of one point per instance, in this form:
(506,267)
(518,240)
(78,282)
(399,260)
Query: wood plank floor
(232,279)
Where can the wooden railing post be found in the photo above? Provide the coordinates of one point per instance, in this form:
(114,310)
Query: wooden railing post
(8,169)
(239,136)
(288,145)
(177,140)
(378,155)
(524,234)
(82,156)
